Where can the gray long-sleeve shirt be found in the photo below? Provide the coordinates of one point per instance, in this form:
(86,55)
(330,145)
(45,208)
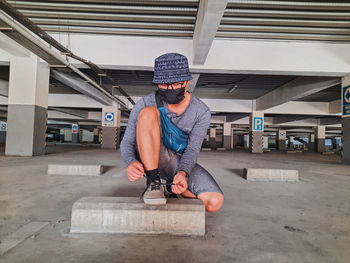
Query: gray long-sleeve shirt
(195,120)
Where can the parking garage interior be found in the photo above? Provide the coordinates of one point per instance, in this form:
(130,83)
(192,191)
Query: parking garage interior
(275,75)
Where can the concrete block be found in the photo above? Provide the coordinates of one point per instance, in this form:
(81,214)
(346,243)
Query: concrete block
(328,153)
(221,149)
(70,169)
(279,175)
(131,215)
(291,152)
(206,149)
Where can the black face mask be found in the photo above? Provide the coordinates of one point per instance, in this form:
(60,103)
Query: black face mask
(172,96)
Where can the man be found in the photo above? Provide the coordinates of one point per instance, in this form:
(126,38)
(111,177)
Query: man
(164,136)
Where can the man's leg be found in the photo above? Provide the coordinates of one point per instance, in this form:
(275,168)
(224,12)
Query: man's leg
(212,201)
(148,137)
(203,186)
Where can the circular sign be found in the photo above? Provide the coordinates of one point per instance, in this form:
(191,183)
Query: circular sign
(109,116)
(347,95)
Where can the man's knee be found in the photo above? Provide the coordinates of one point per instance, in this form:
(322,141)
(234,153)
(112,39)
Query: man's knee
(148,113)
(212,201)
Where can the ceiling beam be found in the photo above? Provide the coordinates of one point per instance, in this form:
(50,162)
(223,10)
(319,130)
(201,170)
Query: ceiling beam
(293,90)
(79,85)
(208,20)
(335,106)
(289,118)
(330,120)
(235,117)
(12,46)
(74,112)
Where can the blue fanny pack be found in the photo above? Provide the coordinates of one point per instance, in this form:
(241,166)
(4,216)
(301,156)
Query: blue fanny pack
(174,138)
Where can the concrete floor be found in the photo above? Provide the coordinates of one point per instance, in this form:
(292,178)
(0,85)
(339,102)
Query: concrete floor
(260,222)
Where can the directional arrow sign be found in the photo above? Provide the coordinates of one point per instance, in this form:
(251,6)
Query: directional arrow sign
(346,101)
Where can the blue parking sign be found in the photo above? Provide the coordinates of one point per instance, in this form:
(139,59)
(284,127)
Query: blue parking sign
(258,124)
(346,101)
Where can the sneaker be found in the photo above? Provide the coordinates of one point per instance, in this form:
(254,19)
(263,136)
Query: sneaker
(154,194)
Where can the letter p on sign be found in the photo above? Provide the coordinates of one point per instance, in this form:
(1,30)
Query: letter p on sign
(258,124)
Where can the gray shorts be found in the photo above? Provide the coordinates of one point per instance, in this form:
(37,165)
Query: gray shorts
(199,180)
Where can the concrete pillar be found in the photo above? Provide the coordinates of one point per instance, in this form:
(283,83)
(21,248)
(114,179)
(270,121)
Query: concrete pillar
(27,106)
(75,133)
(96,135)
(346,140)
(110,127)
(291,143)
(281,140)
(320,135)
(346,118)
(334,143)
(256,131)
(2,131)
(212,137)
(246,141)
(227,136)
(61,135)
(311,145)
(339,143)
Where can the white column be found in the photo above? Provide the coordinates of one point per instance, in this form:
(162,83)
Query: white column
(27,106)
(111,116)
(346,118)
(227,136)
(320,136)
(212,138)
(256,131)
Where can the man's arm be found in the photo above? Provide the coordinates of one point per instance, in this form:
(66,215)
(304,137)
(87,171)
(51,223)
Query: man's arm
(128,144)
(199,131)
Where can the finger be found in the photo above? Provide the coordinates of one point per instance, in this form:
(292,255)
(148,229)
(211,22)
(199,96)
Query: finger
(139,167)
(183,184)
(134,175)
(176,189)
(137,171)
(182,189)
(177,179)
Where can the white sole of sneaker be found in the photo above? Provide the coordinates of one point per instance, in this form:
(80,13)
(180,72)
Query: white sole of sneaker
(155,201)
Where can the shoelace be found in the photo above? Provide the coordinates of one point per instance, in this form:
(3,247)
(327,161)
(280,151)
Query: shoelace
(157,182)
(155,185)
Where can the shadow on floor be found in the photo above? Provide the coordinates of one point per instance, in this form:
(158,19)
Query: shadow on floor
(107,168)
(239,172)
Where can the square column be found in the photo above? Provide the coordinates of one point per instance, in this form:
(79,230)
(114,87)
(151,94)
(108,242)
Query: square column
(110,127)
(75,133)
(346,140)
(320,135)
(311,145)
(346,118)
(2,132)
(227,136)
(281,140)
(256,131)
(291,143)
(27,106)
(96,135)
(212,138)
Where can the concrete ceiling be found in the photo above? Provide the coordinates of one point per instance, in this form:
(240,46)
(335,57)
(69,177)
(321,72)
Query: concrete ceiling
(250,19)
(214,86)
(327,95)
